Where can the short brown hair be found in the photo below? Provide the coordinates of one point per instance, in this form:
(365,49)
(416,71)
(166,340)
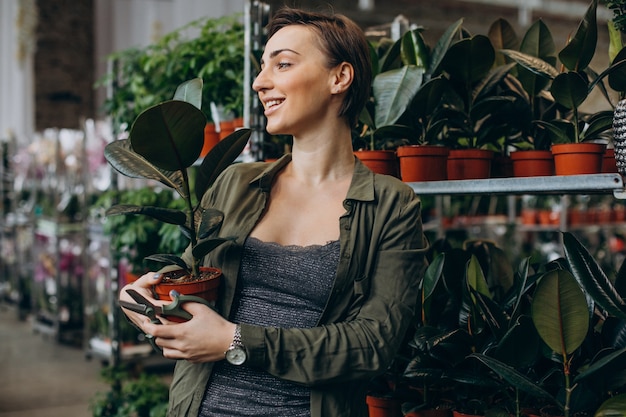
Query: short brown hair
(342,40)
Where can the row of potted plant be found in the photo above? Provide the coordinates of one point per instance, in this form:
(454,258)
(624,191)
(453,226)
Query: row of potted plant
(493,94)
(494,338)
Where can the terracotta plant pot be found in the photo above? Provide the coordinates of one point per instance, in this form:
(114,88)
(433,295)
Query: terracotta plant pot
(532,163)
(206,287)
(226,128)
(383,406)
(211,138)
(466,164)
(422,163)
(578,158)
(381,162)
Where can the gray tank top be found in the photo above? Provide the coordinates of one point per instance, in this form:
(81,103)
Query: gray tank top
(280,286)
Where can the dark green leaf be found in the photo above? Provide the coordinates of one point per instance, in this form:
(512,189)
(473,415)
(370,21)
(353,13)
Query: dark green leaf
(532,63)
(169,260)
(578,53)
(502,36)
(591,277)
(469,60)
(219,158)
(211,221)
(613,407)
(190,91)
(166,215)
(204,246)
(559,312)
(442,46)
(394,90)
(569,89)
(170,135)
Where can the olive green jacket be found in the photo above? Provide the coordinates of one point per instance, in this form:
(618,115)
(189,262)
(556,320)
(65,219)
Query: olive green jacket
(369,309)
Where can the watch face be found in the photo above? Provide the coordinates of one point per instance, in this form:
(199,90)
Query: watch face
(236,355)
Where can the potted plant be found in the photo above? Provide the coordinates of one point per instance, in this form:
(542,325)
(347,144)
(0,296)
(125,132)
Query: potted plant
(209,48)
(569,89)
(165,141)
(402,101)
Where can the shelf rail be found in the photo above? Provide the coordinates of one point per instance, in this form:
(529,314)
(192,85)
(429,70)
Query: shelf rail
(555,184)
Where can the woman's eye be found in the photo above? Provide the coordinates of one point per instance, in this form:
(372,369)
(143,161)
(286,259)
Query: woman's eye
(283,65)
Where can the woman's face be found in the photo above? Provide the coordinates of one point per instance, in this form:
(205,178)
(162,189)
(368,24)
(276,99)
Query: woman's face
(295,84)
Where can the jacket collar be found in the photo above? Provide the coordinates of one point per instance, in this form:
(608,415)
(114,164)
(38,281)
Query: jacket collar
(361,188)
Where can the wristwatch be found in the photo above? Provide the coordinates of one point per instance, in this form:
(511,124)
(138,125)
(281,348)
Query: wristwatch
(236,353)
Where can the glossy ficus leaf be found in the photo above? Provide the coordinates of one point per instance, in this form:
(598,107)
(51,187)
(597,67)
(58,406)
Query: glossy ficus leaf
(514,378)
(429,96)
(210,221)
(579,51)
(219,158)
(520,345)
(537,42)
(569,89)
(394,90)
(127,162)
(502,36)
(613,407)
(532,63)
(165,215)
(469,60)
(442,46)
(592,278)
(605,366)
(170,135)
(190,91)
(168,259)
(432,277)
(413,49)
(489,83)
(559,312)
(204,246)
(596,125)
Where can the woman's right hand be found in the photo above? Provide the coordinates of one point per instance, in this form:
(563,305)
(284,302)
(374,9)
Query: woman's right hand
(143,286)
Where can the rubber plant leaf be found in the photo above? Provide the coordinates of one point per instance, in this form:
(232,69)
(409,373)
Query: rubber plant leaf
(413,49)
(532,63)
(537,42)
(617,79)
(514,378)
(206,245)
(432,277)
(579,51)
(605,365)
(469,316)
(597,124)
(165,215)
(469,60)
(559,312)
(502,36)
(428,97)
(569,89)
(394,90)
(442,46)
(592,278)
(168,259)
(392,59)
(127,162)
(190,91)
(493,315)
(170,135)
(613,407)
(520,345)
(211,220)
(219,158)
(489,83)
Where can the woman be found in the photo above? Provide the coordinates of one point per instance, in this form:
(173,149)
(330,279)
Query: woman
(321,284)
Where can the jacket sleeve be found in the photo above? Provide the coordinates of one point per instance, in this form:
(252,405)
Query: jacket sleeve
(372,311)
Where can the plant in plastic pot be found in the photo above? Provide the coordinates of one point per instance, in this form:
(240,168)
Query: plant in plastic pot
(165,141)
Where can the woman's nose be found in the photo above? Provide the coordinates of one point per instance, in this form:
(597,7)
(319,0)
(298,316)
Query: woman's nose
(260,82)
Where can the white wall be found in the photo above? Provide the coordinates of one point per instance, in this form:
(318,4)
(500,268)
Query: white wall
(16,69)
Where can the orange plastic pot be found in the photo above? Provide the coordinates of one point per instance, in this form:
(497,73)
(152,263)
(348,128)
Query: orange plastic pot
(211,138)
(381,162)
(465,164)
(578,158)
(422,163)
(532,163)
(207,286)
(383,406)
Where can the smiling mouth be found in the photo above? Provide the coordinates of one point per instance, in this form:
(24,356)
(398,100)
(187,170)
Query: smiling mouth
(272,103)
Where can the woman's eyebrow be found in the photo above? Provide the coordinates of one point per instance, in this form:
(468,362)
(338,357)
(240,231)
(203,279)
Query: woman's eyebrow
(273,54)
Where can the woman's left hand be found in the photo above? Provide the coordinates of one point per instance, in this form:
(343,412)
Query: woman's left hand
(203,338)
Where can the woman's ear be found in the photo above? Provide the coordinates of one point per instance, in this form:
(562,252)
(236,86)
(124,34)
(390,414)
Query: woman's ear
(342,78)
